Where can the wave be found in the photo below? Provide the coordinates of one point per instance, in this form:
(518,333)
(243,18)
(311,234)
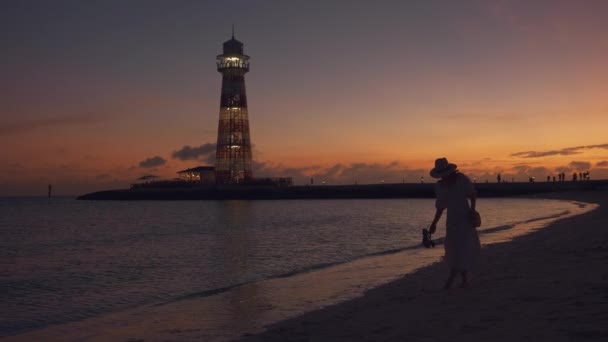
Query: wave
(320,266)
(14,327)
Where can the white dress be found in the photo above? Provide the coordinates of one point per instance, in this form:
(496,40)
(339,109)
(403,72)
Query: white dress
(461,239)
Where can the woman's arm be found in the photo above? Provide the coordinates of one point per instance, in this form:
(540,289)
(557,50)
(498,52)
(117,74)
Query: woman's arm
(469,190)
(433,226)
(473,198)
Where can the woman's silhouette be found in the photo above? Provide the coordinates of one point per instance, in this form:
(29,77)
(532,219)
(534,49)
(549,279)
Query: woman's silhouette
(454,190)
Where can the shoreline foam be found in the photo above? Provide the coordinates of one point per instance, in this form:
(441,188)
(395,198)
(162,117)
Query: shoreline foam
(187,320)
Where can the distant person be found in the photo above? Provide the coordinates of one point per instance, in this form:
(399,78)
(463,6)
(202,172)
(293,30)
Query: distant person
(498,178)
(454,190)
(548,178)
(574,177)
(554,179)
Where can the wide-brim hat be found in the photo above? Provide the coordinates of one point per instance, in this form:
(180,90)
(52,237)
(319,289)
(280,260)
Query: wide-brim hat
(442,168)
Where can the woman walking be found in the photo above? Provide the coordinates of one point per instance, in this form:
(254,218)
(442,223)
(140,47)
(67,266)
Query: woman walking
(454,191)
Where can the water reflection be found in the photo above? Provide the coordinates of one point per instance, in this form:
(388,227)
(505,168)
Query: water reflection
(110,256)
(237,244)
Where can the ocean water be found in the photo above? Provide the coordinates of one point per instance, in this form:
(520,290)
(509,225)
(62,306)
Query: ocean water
(64,260)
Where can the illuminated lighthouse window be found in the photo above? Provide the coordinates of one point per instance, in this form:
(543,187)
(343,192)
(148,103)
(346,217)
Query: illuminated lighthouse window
(234,62)
(236,139)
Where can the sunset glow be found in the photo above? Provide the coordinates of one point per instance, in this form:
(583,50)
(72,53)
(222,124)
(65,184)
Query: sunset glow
(97,94)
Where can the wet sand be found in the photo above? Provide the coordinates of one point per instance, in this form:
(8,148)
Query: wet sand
(549,285)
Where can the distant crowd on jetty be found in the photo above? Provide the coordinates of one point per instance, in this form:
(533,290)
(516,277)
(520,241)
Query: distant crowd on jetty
(561,177)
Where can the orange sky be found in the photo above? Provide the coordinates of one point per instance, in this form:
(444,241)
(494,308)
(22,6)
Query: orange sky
(369,93)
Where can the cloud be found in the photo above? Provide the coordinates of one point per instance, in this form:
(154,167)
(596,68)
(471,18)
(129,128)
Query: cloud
(480,117)
(205,152)
(26,126)
(564,151)
(517,173)
(580,165)
(153,162)
(523,173)
(361,173)
(603,163)
(269,169)
(103,176)
(535,154)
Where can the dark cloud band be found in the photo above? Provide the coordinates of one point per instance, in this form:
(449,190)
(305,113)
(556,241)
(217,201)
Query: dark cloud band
(23,127)
(204,152)
(563,152)
(153,162)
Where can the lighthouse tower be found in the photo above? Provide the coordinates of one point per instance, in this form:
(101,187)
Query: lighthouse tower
(233,153)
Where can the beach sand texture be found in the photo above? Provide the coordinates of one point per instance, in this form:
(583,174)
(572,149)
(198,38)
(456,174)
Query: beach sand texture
(550,285)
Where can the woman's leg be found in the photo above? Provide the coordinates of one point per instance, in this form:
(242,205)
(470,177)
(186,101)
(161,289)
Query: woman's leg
(450,280)
(465,279)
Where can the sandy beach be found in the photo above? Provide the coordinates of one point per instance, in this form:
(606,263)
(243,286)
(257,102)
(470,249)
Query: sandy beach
(550,285)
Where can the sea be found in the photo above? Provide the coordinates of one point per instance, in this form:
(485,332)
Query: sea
(65,260)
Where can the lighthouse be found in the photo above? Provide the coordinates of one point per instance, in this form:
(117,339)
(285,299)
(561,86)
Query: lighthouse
(233,151)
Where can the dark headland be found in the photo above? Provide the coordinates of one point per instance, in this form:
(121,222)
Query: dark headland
(398,190)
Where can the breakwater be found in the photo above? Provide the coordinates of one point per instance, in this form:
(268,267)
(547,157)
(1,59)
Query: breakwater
(397,190)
